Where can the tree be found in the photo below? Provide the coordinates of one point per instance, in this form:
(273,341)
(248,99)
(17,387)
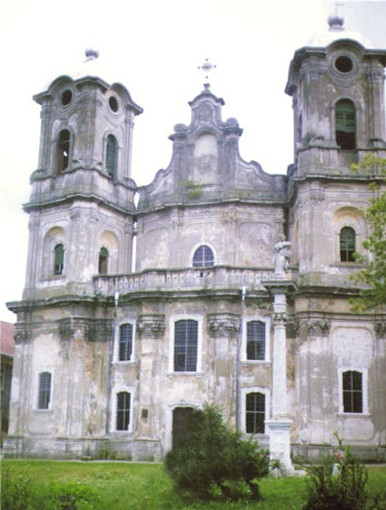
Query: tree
(374,275)
(214,462)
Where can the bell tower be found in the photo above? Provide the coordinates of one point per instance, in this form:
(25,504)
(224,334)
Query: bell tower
(337,85)
(82,193)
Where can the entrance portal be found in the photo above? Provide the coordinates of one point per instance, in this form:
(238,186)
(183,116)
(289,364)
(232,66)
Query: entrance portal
(181,420)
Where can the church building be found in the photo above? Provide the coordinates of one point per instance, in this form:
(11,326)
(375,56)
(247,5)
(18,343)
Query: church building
(216,283)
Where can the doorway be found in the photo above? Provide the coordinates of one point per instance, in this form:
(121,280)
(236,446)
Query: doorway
(182,418)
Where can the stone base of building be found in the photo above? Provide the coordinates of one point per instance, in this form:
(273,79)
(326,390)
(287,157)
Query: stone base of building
(82,448)
(309,453)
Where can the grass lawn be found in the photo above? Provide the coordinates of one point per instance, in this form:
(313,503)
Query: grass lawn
(135,486)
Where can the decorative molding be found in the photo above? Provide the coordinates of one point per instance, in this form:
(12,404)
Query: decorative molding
(151,326)
(223,324)
(318,327)
(380,329)
(22,333)
(279,318)
(292,328)
(92,330)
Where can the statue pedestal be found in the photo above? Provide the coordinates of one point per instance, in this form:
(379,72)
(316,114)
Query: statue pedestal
(279,431)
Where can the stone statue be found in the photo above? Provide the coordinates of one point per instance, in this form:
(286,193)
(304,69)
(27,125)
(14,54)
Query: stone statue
(282,254)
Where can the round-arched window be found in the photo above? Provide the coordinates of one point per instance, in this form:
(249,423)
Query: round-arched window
(203,257)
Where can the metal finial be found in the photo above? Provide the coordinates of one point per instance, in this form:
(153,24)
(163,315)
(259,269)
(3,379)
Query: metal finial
(207,67)
(91,54)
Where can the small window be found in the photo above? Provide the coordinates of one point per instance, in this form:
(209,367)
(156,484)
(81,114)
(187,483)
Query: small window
(185,346)
(125,342)
(352,392)
(66,97)
(123,410)
(102,262)
(347,244)
(344,64)
(111,155)
(113,104)
(59,259)
(63,151)
(255,413)
(44,390)
(345,128)
(203,257)
(256,340)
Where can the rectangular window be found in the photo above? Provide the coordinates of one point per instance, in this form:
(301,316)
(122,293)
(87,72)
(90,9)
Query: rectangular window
(125,342)
(255,413)
(44,390)
(256,340)
(352,392)
(123,410)
(185,346)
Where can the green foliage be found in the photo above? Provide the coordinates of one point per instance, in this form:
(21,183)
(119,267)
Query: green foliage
(374,275)
(215,462)
(15,491)
(339,483)
(70,496)
(192,189)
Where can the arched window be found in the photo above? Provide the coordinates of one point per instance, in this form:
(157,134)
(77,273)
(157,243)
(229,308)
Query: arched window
(58,259)
(44,397)
(255,413)
(347,244)
(123,410)
(63,151)
(345,128)
(203,257)
(102,262)
(111,155)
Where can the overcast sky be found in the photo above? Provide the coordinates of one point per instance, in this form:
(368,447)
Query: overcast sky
(154,47)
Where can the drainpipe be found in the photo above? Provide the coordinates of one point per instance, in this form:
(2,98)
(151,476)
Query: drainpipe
(109,375)
(238,361)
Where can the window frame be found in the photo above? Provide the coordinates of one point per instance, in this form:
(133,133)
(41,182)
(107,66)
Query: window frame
(352,144)
(48,405)
(346,250)
(60,271)
(62,162)
(206,266)
(364,374)
(173,320)
(244,343)
(111,172)
(114,409)
(244,393)
(104,260)
(117,342)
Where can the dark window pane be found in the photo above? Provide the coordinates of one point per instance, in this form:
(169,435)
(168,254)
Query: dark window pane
(185,346)
(102,263)
(59,259)
(44,390)
(63,151)
(352,392)
(256,340)
(125,342)
(111,155)
(255,413)
(345,124)
(203,257)
(347,244)
(123,410)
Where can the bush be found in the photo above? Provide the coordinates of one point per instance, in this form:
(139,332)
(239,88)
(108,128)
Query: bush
(70,496)
(214,462)
(338,484)
(15,491)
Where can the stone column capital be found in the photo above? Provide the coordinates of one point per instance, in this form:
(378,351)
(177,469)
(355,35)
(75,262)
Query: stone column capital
(151,326)
(223,324)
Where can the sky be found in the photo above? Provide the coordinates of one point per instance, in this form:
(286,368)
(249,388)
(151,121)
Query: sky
(154,48)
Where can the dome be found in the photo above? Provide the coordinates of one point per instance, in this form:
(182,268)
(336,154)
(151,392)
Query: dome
(336,32)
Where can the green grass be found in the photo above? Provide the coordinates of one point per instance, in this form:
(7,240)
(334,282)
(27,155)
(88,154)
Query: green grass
(132,486)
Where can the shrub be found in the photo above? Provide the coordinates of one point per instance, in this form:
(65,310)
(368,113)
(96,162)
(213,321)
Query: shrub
(339,483)
(215,462)
(70,496)
(15,491)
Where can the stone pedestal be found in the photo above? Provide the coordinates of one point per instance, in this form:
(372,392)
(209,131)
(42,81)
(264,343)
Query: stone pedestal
(280,443)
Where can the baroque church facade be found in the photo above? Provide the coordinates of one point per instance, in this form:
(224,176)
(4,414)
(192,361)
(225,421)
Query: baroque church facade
(222,284)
